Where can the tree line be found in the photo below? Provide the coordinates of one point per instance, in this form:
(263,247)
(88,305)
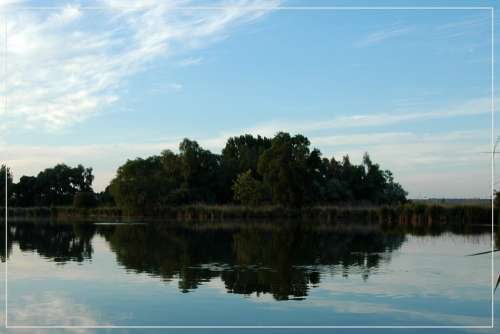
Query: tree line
(251,170)
(56,186)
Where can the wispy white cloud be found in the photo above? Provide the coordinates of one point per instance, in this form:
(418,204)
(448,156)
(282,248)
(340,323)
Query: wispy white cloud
(382,35)
(432,165)
(7,3)
(191,61)
(67,65)
(467,108)
(464,27)
(423,163)
(168,87)
(176,86)
(418,159)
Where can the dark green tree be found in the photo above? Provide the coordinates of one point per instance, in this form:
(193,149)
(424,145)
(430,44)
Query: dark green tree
(3,171)
(374,181)
(248,190)
(393,191)
(242,153)
(141,185)
(58,185)
(283,170)
(105,198)
(25,192)
(290,170)
(84,199)
(201,172)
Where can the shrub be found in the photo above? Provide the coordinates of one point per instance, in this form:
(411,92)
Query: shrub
(248,190)
(84,200)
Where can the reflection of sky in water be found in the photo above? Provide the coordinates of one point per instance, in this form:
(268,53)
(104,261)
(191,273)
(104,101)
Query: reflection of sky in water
(427,281)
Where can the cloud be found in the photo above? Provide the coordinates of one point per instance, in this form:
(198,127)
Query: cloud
(483,19)
(471,107)
(422,162)
(68,65)
(7,3)
(382,35)
(53,309)
(175,86)
(427,164)
(191,61)
(169,87)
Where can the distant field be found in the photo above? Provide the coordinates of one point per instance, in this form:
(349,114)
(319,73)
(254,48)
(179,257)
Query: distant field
(454,201)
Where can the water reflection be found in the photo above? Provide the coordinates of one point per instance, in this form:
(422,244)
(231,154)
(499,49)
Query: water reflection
(284,260)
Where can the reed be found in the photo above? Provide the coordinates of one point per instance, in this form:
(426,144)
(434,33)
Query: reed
(412,214)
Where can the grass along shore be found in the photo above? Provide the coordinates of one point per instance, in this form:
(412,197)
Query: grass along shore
(407,214)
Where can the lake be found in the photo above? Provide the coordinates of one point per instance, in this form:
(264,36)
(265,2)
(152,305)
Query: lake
(246,274)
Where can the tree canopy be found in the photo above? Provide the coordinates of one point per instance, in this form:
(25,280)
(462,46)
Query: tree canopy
(283,170)
(52,186)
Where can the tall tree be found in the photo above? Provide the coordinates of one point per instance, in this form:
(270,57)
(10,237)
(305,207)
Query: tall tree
(4,170)
(393,191)
(240,154)
(201,171)
(248,190)
(140,185)
(289,169)
(58,185)
(374,181)
(25,191)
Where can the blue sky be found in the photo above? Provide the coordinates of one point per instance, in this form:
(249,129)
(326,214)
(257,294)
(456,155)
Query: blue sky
(411,87)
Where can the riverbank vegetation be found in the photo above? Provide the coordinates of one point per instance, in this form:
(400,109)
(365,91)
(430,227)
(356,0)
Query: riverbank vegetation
(408,214)
(253,178)
(251,171)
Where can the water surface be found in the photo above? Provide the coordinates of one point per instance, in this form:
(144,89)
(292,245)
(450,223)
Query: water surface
(245,274)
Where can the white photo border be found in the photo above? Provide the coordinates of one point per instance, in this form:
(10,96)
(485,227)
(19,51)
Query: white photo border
(277,8)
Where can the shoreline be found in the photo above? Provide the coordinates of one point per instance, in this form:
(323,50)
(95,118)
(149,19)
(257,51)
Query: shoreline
(407,214)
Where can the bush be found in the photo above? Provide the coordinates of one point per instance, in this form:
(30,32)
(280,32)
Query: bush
(84,200)
(248,190)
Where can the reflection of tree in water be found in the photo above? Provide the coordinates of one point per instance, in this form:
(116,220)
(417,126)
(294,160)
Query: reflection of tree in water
(168,252)
(59,242)
(290,260)
(283,261)
(2,244)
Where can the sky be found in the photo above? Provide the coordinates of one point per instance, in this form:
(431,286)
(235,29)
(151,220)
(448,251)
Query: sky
(99,82)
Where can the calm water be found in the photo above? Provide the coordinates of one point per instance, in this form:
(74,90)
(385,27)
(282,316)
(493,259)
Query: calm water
(247,274)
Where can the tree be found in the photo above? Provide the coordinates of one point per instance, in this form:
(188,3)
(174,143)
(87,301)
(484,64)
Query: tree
(353,176)
(58,185)
(335,188)
(250,170)
(3,171)
(374,181)
(393,191)
(201,172)
(240,154)
(141,185)
(25,191)
(248,190)
(84,199)
(289,169)
(105,198)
